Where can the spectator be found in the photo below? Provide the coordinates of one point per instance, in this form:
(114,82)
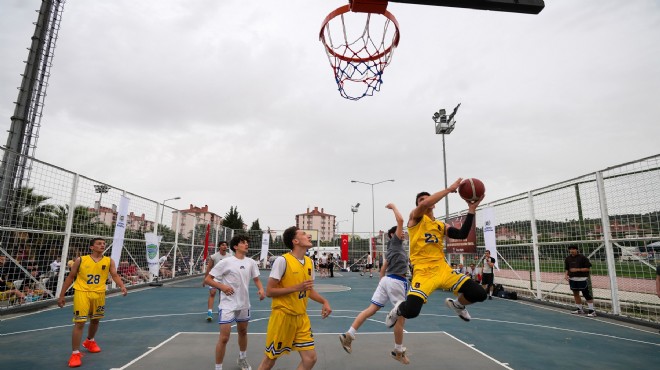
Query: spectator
(55,266)
(7,289)
(473,272)
(331,265)
(577,268)
(461,269)
(488,274)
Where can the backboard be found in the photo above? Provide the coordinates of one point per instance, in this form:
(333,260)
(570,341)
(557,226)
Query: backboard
(513,6)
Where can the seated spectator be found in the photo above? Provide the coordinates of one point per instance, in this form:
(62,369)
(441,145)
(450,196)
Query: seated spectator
(55,266)
(165,267)
(461,269)
(128,273)
(7,288)
(473,272)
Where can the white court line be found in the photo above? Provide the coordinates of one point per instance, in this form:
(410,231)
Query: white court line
(471,346)
(148,352)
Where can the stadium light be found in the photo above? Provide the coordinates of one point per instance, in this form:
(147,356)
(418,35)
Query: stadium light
(444,125)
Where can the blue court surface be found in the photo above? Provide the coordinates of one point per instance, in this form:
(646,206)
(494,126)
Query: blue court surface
(165,328)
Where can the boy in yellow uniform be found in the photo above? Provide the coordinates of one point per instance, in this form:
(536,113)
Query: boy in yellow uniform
(431,270)
(90,273)
(290,284)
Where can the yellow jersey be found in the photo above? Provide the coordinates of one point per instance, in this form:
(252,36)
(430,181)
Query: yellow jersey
(426,242)
(92,275)
(294,303)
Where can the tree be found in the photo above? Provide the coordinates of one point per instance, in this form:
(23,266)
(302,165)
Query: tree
(233,219)
(255,225)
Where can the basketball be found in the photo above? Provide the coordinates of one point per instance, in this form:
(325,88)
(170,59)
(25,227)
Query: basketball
(471,190)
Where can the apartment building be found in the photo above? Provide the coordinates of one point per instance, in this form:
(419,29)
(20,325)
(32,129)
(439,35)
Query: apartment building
(317,220)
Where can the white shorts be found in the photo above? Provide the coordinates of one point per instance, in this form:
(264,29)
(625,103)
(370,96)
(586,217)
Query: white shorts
(229,316)
(391,287)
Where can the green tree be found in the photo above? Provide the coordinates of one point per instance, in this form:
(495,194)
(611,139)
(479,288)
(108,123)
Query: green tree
(255,225)
(233,219)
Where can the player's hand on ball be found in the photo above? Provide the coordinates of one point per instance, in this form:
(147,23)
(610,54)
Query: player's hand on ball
(452,188)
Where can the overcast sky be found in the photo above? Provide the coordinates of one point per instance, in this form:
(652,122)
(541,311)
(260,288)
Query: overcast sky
(233,102)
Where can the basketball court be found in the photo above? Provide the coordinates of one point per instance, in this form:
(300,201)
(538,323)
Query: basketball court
(165,328)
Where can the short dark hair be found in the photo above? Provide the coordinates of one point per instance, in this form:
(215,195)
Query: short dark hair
(237,239)
(288,236)
(93,240)
(423,193)
(572,246)
(222,242)
(391,231)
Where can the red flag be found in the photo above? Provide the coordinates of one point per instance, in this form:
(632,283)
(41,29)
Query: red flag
(344,247)
(206,241)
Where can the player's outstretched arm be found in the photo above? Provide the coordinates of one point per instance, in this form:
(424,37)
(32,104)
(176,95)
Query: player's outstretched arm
(399,220)
(430,201)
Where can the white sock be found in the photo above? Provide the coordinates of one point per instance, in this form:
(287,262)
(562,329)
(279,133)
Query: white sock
(579,307)
(210,311)
(218,366)
(352,332)
(591,306)
(242,354)
(398,347)
(90,339)
(74,352)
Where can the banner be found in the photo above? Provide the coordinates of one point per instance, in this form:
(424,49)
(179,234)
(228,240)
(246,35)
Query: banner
(206,241)
(344,247)
(153,262)
(489,234)
(467,245)
(120,230)
(265,240)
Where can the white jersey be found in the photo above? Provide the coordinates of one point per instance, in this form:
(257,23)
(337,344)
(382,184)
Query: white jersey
(236,273)
(217,257)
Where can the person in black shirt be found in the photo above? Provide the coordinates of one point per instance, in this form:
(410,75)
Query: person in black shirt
(577,268)
(6,285)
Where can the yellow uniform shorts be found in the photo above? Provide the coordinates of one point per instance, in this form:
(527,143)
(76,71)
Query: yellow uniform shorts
(88,305)
(427,278)
(288,333)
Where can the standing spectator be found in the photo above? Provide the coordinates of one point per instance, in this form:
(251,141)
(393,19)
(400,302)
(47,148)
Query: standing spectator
(315,261)
(323,265)
(90,273)
(232,277)
(331,265)
(392,287)
(290,285)
(368,266)
(55,266)
(488,274)
(213,260)
(577,268)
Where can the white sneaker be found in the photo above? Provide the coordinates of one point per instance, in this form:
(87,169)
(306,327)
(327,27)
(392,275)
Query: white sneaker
(346,339)
(243,364)
(400,356)
(393,315)
(461,312)
(591,313)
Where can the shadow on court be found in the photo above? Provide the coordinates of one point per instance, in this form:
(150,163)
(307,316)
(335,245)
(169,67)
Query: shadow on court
(165,328)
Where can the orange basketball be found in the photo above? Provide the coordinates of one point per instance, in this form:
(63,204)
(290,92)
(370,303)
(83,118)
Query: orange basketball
(471,190)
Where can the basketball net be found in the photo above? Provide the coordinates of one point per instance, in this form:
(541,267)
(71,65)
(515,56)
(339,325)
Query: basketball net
(359,60)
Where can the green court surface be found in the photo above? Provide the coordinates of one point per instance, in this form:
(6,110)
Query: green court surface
(165,328)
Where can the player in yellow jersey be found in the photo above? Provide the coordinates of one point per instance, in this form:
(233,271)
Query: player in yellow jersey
(290,284)
(90,274)
(431,270)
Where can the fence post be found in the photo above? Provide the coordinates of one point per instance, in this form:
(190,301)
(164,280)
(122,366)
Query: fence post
(67,234)
(535,244)
(607,239)
(176,241)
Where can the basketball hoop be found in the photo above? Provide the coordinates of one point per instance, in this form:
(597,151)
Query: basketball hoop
(358,64)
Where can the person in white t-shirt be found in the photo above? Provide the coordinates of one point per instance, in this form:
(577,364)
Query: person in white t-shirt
(368,266)
(323,265)
(232,277)
(210,262)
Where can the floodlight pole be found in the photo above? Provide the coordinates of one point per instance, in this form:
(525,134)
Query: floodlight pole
(354,210)
(100,189)
(163,211)
(373,207)
(444,125)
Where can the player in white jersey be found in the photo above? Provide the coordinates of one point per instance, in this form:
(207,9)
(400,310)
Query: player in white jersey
(210,262)
(232,277)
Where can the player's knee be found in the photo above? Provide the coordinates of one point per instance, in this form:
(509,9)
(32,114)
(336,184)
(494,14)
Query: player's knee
(411,307)
(473,292)
(309,359)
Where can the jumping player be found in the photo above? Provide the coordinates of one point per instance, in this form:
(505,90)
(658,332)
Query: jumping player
(290,284)
(90,273)
(392,287)
(431,270)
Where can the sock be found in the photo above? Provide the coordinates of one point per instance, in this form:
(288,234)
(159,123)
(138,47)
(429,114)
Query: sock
(242,354)
(91,340)
(210,311)
(74,352)
(218,366)
(579,307)
(352,332)
(591,306)
(398,347)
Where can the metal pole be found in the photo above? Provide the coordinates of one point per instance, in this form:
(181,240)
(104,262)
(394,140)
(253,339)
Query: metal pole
(444,160)
(373,223)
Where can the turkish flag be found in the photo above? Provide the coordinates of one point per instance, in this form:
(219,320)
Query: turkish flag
(344,247)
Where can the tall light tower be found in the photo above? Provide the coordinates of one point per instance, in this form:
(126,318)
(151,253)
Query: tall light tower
(162,210)
(444,125)
(100,189)
(354,210)
(373,207)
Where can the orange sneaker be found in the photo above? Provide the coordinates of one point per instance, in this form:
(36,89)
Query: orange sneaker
(75,360)
(91,346)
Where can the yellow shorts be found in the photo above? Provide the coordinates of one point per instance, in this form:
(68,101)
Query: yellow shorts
(88,305)
(288,333)
(427,278)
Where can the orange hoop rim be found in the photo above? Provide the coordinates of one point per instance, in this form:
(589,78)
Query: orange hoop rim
(345,9)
